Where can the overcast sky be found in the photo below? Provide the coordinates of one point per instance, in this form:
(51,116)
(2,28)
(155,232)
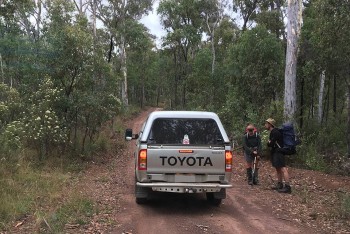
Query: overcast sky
(152,22)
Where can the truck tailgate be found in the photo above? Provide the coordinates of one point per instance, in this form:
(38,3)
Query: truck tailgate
(194,160)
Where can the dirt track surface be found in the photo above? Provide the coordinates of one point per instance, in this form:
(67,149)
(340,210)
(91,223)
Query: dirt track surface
(311,208)
(246,209)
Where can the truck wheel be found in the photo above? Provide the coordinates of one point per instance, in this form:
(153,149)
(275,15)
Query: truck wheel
(213,200)
(141,200)
(141,194)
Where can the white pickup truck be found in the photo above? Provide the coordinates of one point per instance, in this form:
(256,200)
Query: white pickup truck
(182,152)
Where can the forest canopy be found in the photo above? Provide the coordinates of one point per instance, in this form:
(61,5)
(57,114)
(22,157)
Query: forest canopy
(62,77)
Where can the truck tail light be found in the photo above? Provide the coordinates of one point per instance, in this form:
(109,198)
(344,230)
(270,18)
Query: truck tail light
(142,160)
(228,161)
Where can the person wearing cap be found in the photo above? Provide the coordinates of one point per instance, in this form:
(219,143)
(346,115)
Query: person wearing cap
(252,148)
(277,157)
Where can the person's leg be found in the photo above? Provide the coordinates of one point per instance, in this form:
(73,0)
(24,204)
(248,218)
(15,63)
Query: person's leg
(277,164)
(279,184)
(249,160)
(285,174)
(279,175)
(286,188)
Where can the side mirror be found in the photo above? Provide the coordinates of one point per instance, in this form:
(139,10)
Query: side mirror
(129,136)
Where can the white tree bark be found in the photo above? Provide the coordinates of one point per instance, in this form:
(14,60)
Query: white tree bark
(212,27)
(38,19)
(348,131)
(2,71)
(123,58)
(293,28)
(124,71)
(94,12)
(320,97)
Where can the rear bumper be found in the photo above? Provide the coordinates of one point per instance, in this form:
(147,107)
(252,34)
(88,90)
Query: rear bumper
(184,187)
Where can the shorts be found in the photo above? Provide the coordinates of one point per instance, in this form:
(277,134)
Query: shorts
(278,159)
(249,158)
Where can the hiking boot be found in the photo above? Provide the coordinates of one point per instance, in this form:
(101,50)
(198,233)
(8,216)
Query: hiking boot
(256,176)
(285,189)
(278,186)
(249,176)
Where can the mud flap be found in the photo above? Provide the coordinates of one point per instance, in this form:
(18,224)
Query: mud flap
(221,194)
(141,192)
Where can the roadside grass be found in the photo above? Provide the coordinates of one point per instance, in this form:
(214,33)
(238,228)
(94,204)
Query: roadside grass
(76,211)
(44,193)
(43,190)
(345,206)
(25,190)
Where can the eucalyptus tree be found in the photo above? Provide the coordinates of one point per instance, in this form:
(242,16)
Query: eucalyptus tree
(293,32)
(115,14)
(227,34)
(213,13)
(255,64)
(182,21)
(15,39)
(329,37)
(271,14)
(247,9)
(139,62)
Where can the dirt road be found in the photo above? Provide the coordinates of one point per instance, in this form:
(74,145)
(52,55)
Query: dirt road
(317,204)
(245,210)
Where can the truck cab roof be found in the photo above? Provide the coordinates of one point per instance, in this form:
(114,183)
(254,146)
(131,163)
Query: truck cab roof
(181,115)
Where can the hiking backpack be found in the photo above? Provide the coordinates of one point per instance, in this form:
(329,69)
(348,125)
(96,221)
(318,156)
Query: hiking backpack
(255,131)
(290,140)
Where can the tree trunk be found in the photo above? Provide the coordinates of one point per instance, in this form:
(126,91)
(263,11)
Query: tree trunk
(293,27)
(335,95)
(124,71)
(327,98)
(38,20)
(213,53)
(2,71)
(94,12)
(302,83)
(348,132)
(320,97)
(212,35)
(123,56)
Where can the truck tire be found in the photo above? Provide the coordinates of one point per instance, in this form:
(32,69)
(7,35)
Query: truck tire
(216,197)
(141,194)
(212,200)
(140,200)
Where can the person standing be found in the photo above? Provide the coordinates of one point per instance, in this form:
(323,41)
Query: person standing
(252,149)
(277,157)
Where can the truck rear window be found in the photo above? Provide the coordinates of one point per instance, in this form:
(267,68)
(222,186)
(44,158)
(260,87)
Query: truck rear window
(185,131)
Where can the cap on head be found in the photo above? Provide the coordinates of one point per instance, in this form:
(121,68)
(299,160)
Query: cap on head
(271,121)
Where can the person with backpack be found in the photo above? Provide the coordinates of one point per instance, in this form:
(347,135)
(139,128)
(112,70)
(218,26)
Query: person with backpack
(252,149)
(277,156)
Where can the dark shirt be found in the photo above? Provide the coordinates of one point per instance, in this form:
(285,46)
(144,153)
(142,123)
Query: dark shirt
(251,142)
(275,137)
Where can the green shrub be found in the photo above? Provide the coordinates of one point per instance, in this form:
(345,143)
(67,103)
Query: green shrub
(345,207)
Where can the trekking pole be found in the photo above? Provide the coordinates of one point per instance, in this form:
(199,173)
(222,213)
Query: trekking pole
(254,168)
